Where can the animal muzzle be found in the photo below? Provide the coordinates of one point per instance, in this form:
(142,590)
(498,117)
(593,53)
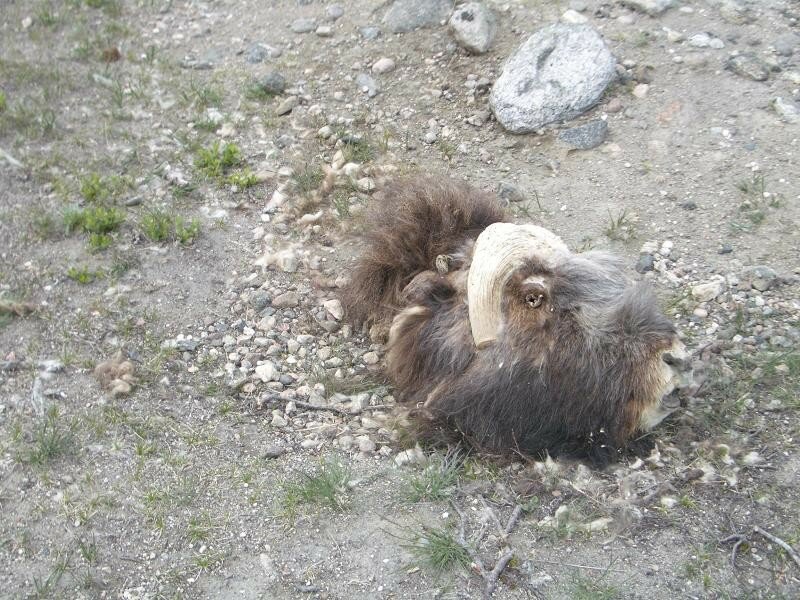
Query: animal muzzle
(678,380)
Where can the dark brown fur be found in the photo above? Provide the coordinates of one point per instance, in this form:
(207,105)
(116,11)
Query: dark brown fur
(570,376)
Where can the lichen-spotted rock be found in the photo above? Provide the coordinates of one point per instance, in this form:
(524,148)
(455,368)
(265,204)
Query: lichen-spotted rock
(558,73)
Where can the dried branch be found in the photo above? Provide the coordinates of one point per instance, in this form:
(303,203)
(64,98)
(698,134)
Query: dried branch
(776,540)
(738,540)
(333,409)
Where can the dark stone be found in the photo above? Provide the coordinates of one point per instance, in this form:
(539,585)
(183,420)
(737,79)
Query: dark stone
(274,452)
(689,205)
(509,192)
(645,263)
(272,83)
(585,137)
(725,249)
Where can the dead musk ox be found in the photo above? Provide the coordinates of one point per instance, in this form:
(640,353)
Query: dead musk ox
(499,333)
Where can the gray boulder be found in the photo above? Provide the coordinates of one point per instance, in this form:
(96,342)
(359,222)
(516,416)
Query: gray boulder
(558,73)
(408,15)
(473,26)
(651,7)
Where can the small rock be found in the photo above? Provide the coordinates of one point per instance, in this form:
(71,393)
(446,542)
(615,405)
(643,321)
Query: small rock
(640,90)
(674,36)
(725,249)
(574,61)
(786,44)
(689,205)
(473,26)
(704,40)
(787,110)
(705,292)
(287,105)
(260,52)
(645,263)
(509,192)
(286,300)
(407,15)
(369,32)
(367,84)
(750,66)
(266,372)
(274,451)
(371,358)
(574,17)
(324,31)
(413,456)
(585,137)
(334,308)
(760,277)
(366,185)
(303,25)
(365,444)
(334,12)
(278,420)
(650,7)
(383,65)
(27,22)
(272,83)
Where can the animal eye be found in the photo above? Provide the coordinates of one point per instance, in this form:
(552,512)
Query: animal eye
(534,300)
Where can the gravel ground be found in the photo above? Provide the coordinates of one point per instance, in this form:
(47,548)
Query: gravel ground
(184,410)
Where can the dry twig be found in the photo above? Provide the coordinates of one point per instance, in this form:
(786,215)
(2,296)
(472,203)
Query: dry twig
(739,539)
(333,409)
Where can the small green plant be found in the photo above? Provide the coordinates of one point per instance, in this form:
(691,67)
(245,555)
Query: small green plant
(328,488)
(256,91)
(110,7)
(341,203)
(436,481)
(357,149)
(437,549)
(584,588)
(243,179)
(157,225)
(93,188)
(202,96)
(99,241)
(44,224)
(620,227)
(46,16)
(81,275)
(50,440)
(186,232)
(307,179)
(101,219)
(3,101)
(447,148)
(214,161)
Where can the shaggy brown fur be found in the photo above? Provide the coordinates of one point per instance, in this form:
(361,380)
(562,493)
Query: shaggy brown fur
(570,373)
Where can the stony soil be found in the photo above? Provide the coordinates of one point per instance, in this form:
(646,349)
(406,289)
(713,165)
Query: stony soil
(241,441)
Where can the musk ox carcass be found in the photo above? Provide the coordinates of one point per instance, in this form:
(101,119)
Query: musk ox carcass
(498,332)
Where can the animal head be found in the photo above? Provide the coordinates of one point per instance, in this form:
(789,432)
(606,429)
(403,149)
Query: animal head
(602,349)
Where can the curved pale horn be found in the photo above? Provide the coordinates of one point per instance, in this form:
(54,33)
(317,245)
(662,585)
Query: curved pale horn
(499,250)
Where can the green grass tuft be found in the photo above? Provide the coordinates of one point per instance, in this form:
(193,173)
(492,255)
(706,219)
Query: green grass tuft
(328,488)
(436,481)
(437,549)
(214,161)
(157,225)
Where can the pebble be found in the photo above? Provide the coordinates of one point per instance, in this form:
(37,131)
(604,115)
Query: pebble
(473,26)
(705,292)
(645,263)
(787,110)
(367,84)
(266,372)
(640,90)
(369,32)
(334,308)
(334,12)
(750,66)
(786,44)
(324,31)
(365,444)
(576,62)
(303,25)
(509,192)
(366,185)
(287,105)
(274,451)
(760,277)
(651,7)
(585,137)
(574,17)
(286,300)
(272,83)
(407,15)
(383,65)
(371,358)
(259,52)
(704,40)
